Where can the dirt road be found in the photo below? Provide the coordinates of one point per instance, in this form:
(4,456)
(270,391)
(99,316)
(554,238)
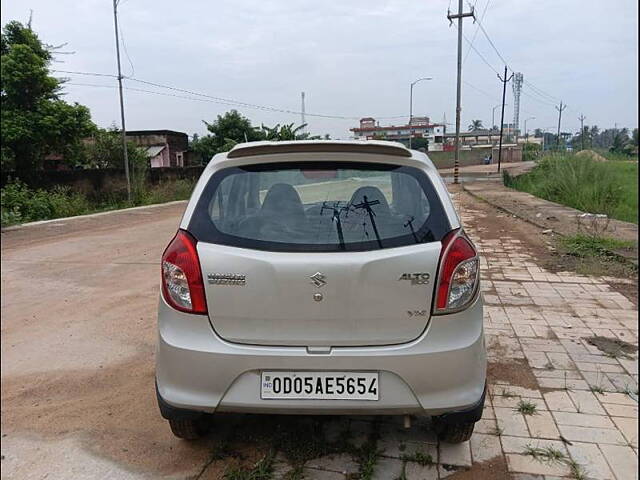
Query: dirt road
(78,334)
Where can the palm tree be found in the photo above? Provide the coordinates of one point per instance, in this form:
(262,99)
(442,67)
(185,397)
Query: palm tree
(285,132)
(475,125)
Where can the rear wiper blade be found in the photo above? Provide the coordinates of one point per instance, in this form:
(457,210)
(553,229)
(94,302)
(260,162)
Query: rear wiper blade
(336,218)
(410,225)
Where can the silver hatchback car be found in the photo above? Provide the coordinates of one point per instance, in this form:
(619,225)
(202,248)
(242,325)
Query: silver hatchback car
(321,277)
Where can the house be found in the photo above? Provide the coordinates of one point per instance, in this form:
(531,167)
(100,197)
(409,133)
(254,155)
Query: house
(473,139)
(417,128)
(164,148)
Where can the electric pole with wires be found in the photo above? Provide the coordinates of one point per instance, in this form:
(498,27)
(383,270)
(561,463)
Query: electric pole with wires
(581,118)
(124,130)
(560,110)
(459,16)
(504,81)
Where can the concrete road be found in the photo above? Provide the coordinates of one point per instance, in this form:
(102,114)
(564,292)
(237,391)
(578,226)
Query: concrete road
(78,337)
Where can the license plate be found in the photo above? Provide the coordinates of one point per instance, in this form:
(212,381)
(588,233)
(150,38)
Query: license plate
(319,385)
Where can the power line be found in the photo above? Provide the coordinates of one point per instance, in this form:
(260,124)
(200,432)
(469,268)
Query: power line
(480,90)
(92,74)
(475,33)
(472,47)
(126,52)
(543,102)
(492,44)
(539,91)
(225,101)
(209,98)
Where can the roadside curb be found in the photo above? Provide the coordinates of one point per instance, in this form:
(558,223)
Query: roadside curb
(89,215)
(633,261)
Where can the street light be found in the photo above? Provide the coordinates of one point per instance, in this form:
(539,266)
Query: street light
(526,132)
(411,105)
(493,113)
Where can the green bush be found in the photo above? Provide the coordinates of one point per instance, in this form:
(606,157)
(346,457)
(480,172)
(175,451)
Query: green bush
(530,151)
(169,191)
(21,204)
(584,184)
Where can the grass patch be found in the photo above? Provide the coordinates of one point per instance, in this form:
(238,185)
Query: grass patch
(261,470)
(526,408)
(545,454)
(583,245)
(419,458)
(592,255)
(552,455)
(582,183)
(21,204)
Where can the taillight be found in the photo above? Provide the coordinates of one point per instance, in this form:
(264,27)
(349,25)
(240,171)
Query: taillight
(458,277)
(182,285)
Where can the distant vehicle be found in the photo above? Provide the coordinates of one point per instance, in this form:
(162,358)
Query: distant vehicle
(321,277)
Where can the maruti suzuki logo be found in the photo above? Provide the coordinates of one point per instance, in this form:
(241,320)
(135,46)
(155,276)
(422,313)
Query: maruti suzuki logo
(318,279)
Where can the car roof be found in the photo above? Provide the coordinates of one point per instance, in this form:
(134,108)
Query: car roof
(320,146)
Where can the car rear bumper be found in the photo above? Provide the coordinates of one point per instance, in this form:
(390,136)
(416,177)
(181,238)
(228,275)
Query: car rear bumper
(443,371)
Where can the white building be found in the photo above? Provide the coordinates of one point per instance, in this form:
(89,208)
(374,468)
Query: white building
(420,129)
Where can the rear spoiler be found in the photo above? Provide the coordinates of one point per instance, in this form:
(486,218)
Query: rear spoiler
(273,148)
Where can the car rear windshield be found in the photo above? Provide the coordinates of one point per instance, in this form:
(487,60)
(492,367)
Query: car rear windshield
(319,206)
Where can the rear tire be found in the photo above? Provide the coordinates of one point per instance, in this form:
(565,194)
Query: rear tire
(454,432)
(189,428)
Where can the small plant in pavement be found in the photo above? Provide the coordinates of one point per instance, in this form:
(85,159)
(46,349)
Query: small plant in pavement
(545,454)
(577,470)
(419,458)
(526,407)
(261,470)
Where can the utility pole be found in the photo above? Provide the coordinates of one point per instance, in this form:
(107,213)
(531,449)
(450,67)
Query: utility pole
(459,16)
(560,109)
(504,81)
(581,118)
(124,130)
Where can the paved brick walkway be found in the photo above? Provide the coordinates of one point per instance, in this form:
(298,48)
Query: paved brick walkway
(570,412)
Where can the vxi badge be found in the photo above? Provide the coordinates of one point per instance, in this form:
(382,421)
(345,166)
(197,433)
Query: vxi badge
(416,278)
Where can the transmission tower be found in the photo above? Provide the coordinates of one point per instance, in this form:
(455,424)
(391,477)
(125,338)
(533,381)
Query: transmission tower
(517,88)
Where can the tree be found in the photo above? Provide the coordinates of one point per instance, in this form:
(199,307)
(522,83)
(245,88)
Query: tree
(620,141)
(205,147)
(537,133)
(233,126)
(34,121)
(634,137)
(104,150)
(577,140)
(284,132)
(475,125)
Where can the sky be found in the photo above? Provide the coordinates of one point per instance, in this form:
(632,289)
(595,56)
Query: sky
(352,59)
